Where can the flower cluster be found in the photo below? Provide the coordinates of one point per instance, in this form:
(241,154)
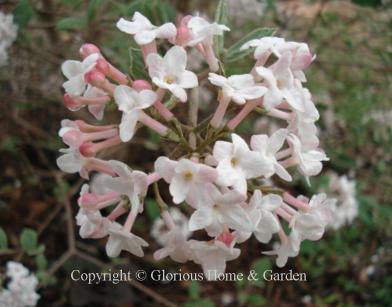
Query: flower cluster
(212,169)
(346,208)
(8,34)
(21,289)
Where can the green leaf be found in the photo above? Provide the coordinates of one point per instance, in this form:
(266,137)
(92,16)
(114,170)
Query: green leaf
(28,240)
(93,8)
(3,239)
(23,12)
(41,262)
(260,266)
(137,68)
(256,300)
(234,53)
(194,289)
(71,23)
(152,208)
(221,17)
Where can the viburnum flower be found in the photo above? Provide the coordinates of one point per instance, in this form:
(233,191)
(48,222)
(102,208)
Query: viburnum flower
(176,247)
(311,224)
(20,287)
(131,103)
(265,46)
(144,31)
(268,147)
(169,72)
(308,160)
(238,88)
(289,247)
(236,163)
(132,184)
(75,72)
(280,82)
(263,222)
(223,186)
(187,179)
(120,239)
(213,255)
(218,210)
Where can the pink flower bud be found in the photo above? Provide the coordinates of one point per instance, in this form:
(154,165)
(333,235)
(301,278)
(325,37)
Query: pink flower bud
(88,201)
(140,85)
(183,33)
(94,77)
(87,149)
(69,102)
(87,49)
(73,138)
(103,66)
(226,237)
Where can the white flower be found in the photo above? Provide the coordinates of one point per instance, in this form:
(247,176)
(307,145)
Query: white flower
(263,222)
(169,72)
(203,31)
(239,88)
(309,160)
(133,184)
(212,256)
(74,71)
(311,224)
(92,224)
(121,240)
(346,210)
(218,210)
(144,31)
(20,291)
(16,270)
(236,163)
(96,109)
(159,231)
(187,179)
(131,102)
(268,147)
(265,46)
(280,81)
(176,246)
(72,161)
(287,248)
(8,34)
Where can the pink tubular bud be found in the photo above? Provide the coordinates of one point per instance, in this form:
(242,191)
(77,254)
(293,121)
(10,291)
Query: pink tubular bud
(226,237)
(95,78)
(103,66)
(140,85)
(83,126)
(183,32)
(87,49)
(73,138)
(70,103)
(87,149)
(88,201)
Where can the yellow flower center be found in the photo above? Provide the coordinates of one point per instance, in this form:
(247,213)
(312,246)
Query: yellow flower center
(188,176)
(169,79)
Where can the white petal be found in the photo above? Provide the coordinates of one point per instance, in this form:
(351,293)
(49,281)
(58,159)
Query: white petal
(71,68)
(179,188)
(128,124)
(200,219)
(175,60)
(222,150)
(75,86)
(165,167)
(146,98)
(167,30)
(187,79)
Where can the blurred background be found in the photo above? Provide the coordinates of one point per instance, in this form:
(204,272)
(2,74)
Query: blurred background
(351,83)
